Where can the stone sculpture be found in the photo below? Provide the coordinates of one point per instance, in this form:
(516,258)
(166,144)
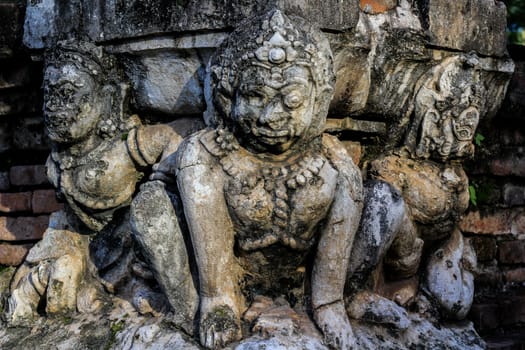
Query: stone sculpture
(261,204)
(263,188)
(98,152)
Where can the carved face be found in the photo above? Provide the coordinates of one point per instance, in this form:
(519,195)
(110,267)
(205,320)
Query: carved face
(72,106)
(273,109)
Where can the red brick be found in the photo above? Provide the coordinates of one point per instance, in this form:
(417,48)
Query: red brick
(485,248)
(515,275)
(377,6)
(13,255)
(15,202)
(28,175)
(485,316)
(22,228)
(513,311)
(45,202)
(496,222)
(509,165)
(512,252)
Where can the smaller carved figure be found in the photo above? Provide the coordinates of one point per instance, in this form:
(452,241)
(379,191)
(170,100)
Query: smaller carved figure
(447,111)
(98,153)
(263,190)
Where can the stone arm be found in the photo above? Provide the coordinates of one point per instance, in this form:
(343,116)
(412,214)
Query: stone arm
(333,251)
(149,144)
(200,180)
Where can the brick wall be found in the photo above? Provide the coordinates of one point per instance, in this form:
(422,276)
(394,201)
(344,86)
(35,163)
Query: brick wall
(26,197)
(496,224)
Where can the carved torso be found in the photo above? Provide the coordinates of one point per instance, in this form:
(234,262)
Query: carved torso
(275,201)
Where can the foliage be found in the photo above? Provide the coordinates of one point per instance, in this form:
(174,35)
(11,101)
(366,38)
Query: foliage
(516,21)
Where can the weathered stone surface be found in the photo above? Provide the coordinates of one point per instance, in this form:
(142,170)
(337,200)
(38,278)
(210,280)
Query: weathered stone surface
(511,252)
(13,255)
(450,276)
(45,202)
(494,221)
(480,28)
(427,188)
(154,16)
(157,231)
(15,202)
(168,82)
(22,228)
(28,175)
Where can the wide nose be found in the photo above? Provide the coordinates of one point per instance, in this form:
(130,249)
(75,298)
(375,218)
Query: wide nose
(273,113)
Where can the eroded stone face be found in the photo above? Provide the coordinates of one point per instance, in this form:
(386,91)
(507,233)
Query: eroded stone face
(71,106)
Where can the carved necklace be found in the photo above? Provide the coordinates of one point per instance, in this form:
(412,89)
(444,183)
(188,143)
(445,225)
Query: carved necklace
(279,179)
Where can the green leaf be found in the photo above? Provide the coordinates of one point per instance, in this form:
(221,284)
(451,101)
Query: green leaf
(473,196)
(478,139)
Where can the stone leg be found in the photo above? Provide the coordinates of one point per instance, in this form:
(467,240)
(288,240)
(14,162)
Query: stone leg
(51,275)
(156,229)
(385,230)
(450,278)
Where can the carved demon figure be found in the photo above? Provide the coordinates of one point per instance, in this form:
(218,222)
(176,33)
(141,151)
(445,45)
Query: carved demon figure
(262,189)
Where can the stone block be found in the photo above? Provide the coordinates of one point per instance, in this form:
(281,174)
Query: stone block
(512,252)
(494,221)
(45,202)
(28,134)
(466,25)
(23,228)
(485,248)
(15,202)
(168,82)
(113,19)
(13,255)
(516,275)
(4,181)
(513,195)
(485,316)
(28,175)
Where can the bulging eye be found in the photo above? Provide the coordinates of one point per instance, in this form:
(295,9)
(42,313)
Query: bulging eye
(293,100)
